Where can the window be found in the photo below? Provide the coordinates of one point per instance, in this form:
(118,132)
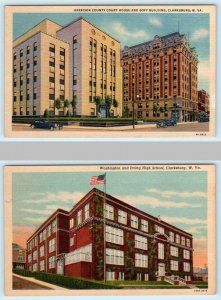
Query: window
(52,48)
(188,242)
(35,61)
(122,217)
(186,254)
(44,235)
(186,267)
(42,265)
(144,225)
(79,217)
(41,237)
(183,240)
(35,267)
(29,258)
(54,226)
(71,241)
(159,229)
(42,251)
(177,238)
(51,245)
(146,276)
(35,255)
(49,230)
(21,53)
(174,265)
(160,251)
(35,46)
(114,235)
(71,223)
(141,260)
(80,254)
(109,211)
(114,257)
(86,211)
(110,275)
(36,241)
(134,221)
(171,236)
(174,251)
(139,276)
(140,242)
(51,262)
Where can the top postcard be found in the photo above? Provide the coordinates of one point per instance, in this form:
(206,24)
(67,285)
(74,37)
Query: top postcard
(110,71)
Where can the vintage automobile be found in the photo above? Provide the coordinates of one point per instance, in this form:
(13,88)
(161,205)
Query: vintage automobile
(203,117)
(166,123)
(46,125)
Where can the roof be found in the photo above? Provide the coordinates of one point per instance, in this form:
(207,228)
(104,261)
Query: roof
(16,246)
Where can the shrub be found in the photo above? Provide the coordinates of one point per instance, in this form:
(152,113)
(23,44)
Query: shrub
(25,273)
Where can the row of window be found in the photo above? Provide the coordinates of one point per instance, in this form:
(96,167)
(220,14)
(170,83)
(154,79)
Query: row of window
(46,233)
(79,218)
(51,248)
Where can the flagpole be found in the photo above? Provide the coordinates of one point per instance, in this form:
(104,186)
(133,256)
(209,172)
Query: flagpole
(105,228)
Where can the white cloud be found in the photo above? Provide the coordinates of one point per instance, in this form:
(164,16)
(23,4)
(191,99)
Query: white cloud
(199,34)
(183,220)
(196,229)
(155,22)
(34,220)
(47,210)
(168,194)
(203,70)
(125,33)
(154,202)
(56,197)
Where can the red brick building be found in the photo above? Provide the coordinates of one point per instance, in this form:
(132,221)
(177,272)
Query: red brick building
(18,257)
(161,76)
(203,101)
(138,246)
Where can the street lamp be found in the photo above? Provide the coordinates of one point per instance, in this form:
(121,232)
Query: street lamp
(137,96)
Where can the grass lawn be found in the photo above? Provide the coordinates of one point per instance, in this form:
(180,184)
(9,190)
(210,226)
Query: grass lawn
(201,284)
(133,284)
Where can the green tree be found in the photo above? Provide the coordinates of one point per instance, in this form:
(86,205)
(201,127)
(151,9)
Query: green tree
(98,101)
(68,114)
(74,105)
(58,104)
(162,109)
(46,113)
(108,102)
(66,105)
(115,104)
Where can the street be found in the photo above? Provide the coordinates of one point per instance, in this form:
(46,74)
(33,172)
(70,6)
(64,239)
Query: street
(184,127)
(22,284)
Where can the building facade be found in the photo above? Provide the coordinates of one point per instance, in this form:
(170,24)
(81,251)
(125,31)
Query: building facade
(160,77)
(18,257)
(135,246)
(75,61)
(203,101)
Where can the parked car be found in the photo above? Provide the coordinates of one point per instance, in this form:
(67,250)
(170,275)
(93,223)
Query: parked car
(166,123)
(203,117)
(46,125)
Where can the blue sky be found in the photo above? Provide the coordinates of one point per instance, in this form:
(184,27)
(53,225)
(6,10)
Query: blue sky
(134,28)
(180,198)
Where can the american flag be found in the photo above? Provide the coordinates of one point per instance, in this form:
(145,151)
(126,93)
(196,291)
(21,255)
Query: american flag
(100,179)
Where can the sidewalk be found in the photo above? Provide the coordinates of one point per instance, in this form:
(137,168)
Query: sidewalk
(42,283)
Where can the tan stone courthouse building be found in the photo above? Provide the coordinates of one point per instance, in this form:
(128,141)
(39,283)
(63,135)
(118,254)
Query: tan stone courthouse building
(53,62)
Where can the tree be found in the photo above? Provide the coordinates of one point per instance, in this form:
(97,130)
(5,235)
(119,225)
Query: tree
(115,104)
(74,104)
(68,114)
(58,104)
(108,102)
(98,101)
(46,114)
(66,104)
(162,109)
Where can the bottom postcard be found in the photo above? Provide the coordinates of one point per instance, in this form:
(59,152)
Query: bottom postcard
(110,230)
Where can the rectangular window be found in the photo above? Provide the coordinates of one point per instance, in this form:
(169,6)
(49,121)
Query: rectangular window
(35,46)
(122,217)
(139,276)
(44,235)
(174,251)
(86,211)
(146,276)
(29,258)
(141,260)
(71,222)
(159,229)
(51,245)
(109,211)
(41,237)
(79,217)
(52,48)
(71,241)
(183,240)
(35,61)
(188,242)
(160,251)
(42,251)
(140,242)
(49,230)
(174,266)
(51,79)
(114,257)
(35,267)
(186,267)
(52,96)
(35,255)
(171,236)
(51,262)
(134,221)
(144,225)
(177,238)
(114,235)
(42,265)
(186,254)
(54,226)
(110,275)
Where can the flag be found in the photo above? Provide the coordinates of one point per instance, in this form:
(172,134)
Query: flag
(100,179)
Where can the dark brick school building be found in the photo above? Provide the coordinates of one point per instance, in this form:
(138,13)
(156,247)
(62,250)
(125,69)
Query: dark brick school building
(138,246)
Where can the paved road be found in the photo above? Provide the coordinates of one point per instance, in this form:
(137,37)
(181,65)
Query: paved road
(189,127)
(22,284)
